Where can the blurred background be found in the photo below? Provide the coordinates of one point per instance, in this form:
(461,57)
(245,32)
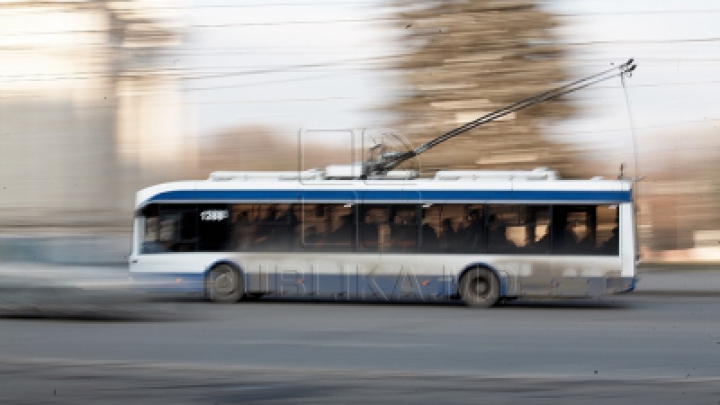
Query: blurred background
(101,98)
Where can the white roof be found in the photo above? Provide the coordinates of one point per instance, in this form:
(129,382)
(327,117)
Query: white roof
(451,181)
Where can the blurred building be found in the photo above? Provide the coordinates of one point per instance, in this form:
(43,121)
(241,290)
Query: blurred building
(679,208)
(87,109)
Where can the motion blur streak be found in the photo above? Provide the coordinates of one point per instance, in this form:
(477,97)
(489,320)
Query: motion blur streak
(101,98)
(95,104)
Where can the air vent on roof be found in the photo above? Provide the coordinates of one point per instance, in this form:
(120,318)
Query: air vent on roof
(540,173)
(266,176)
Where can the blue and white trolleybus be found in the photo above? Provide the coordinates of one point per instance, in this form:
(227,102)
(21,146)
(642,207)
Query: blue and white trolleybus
(368,231)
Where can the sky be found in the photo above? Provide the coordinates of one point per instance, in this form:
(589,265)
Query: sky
(310,65)
(316,64)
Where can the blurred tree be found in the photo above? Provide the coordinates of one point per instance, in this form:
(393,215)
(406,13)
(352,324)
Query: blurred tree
(469,58)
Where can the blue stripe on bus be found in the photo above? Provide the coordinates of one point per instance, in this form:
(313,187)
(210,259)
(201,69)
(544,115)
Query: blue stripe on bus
(334,285)
(392,195)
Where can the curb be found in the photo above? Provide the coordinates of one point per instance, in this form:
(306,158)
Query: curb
(680,293)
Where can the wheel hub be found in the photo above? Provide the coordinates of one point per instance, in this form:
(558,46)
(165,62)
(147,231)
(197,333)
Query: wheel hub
(480,287)
(224,284)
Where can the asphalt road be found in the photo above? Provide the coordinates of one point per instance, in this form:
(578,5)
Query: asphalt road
(621,349)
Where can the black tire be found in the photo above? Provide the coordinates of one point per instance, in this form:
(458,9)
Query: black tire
(479,288)
(224,284)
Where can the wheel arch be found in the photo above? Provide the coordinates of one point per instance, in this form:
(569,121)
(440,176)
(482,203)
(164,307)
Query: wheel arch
(501,280)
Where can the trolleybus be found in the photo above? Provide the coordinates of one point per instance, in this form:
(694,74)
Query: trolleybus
(480,236)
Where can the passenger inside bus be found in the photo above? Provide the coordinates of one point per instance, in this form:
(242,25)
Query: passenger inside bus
(430,241)
(611,245)
(567,240)
(476,228)
(403,233)
(370,233)
(588,244)
(344,233)
(463,237)
(498,242)
(542,245)
(447,235)
(469,236)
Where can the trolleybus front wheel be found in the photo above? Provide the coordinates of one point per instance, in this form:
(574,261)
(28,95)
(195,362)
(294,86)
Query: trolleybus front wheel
(479,288)
(224,284)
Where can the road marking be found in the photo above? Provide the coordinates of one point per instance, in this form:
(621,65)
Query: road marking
(347,373)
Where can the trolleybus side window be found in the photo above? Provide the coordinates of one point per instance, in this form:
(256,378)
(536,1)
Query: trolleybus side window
(327,227)
(403,228)
(169,228)
(388,228)
(522,229)
(151,234)
(585,229)
(398,228)
(264,227)
(452,228)
(334,227)
(608,229)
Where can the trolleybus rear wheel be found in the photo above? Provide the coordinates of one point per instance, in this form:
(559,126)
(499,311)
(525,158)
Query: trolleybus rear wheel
(224,284)
(479,288)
